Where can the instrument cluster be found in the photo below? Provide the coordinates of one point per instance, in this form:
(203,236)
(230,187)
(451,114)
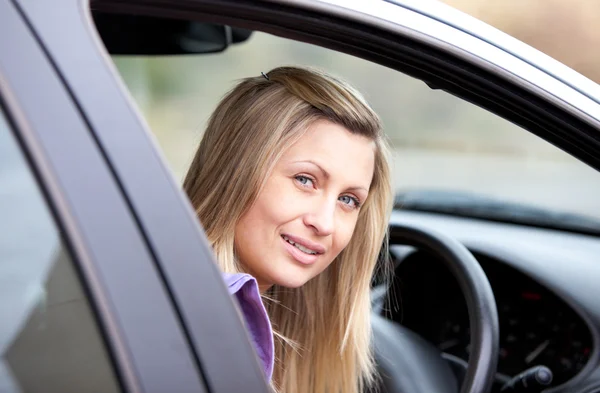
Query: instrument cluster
(536,326)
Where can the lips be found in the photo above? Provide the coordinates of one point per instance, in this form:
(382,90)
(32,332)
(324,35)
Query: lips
(302,250)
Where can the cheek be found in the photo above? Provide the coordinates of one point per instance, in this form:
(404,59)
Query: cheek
(273,207)
(344,234)
(281,201)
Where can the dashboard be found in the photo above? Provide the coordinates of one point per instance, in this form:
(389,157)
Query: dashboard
(536,327)
(547,288)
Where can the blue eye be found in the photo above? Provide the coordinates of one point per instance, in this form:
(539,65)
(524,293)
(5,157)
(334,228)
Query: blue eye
(350,201)
(304,180)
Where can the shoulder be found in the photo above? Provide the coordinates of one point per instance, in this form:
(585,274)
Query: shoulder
(244,288)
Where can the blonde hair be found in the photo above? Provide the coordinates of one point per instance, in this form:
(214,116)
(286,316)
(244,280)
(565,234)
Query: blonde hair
(323,328)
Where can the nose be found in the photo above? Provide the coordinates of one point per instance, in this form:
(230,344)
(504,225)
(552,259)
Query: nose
(321,217)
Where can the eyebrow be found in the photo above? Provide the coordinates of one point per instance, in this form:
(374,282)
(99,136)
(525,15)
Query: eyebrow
(326,174)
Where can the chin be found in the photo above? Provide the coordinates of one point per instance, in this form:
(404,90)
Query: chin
(291,282)
(292,277)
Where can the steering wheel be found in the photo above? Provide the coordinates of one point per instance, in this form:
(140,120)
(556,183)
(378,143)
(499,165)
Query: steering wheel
(409,364)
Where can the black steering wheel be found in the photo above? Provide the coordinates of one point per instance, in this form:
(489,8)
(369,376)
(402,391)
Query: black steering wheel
(409,364)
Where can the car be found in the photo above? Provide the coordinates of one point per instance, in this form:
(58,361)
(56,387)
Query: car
(108,284)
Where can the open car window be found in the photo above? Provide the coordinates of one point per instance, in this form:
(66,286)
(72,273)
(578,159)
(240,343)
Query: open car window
(449,154)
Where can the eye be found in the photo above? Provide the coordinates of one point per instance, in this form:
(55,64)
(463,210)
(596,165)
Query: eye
(304,181)
(351,201)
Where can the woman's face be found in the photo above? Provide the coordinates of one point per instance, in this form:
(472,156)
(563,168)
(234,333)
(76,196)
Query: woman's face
(306,213)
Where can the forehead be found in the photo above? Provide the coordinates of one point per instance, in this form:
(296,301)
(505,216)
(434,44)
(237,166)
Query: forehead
(336,150)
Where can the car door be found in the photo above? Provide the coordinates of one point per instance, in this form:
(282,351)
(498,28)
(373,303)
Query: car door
(82,305)
(172,237)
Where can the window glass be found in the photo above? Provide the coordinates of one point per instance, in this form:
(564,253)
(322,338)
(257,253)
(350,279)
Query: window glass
(49,339)
(440,142)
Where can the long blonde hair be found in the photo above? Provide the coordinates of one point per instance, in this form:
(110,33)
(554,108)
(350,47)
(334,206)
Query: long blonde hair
(323,332)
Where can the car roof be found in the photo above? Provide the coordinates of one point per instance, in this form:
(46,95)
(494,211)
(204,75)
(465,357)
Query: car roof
(450,16)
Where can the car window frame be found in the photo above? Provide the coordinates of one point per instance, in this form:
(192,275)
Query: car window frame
(140,327)
(471,25)
(414,44)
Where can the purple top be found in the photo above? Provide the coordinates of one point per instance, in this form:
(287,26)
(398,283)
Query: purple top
(245,289)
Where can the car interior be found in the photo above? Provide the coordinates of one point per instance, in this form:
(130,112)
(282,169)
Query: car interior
(462,166)
(528,213)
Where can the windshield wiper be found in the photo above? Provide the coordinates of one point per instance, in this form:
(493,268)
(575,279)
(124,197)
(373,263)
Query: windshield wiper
(469,205)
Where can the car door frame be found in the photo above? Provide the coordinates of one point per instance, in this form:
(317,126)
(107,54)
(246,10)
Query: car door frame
(220,345)
(446,56)
(148,348)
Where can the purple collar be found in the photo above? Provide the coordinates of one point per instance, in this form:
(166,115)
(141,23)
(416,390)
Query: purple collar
(245,289)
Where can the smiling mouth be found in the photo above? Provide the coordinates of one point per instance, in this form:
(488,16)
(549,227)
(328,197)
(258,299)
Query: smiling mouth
(299,246)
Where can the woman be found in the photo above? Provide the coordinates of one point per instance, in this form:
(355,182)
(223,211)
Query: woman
(292,185)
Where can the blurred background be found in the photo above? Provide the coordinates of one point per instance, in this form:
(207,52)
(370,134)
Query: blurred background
(439,142)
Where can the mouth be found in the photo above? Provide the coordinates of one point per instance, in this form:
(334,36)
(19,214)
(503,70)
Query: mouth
(301,250)
(300,247)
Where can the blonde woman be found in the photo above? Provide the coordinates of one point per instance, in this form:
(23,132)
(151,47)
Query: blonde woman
(291,183)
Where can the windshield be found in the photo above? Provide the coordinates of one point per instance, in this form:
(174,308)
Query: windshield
(440,143)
